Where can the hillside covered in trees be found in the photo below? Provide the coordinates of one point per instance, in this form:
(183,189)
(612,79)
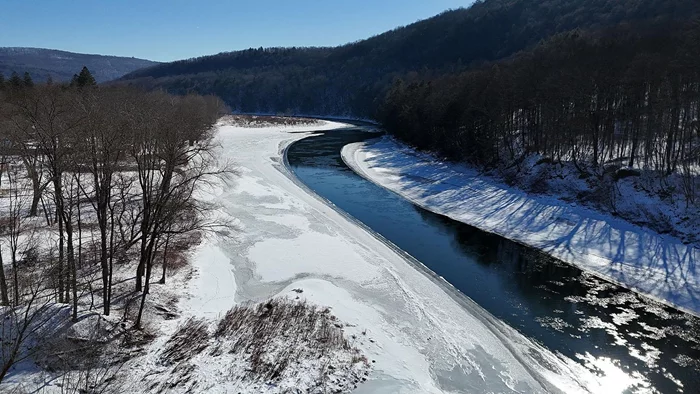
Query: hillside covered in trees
(606,93)
(606,117)
(60,65)
(599,91)
(353,79)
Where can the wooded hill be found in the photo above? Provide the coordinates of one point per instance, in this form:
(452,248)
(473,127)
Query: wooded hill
(592,88)
(61,65)
(586,97)
(352,79)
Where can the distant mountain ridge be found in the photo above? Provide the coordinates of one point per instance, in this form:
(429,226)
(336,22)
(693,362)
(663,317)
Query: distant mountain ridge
(61,65)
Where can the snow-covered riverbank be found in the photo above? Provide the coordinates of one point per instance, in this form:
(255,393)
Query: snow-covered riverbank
(659,266)
(420,335)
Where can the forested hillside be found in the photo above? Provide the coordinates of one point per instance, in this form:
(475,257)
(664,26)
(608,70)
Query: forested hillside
(60,65)
(602,95)
(606,117)
(586,96)
(352,79)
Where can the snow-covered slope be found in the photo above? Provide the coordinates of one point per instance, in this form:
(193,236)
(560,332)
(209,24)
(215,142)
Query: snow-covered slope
(420,335)
(659,266)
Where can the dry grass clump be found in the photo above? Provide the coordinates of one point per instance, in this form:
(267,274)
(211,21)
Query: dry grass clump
(189,340)
(177,257)
(277,333)
(282,344)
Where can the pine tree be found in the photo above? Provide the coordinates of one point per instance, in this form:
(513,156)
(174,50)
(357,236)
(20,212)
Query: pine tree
(15,81)
(83,79)
(2,81)
(28,82)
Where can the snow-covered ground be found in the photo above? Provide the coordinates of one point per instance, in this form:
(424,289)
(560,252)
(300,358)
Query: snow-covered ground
(420,335)
(659,266)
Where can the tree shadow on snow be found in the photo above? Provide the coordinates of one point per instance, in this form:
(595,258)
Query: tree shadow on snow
(658,265)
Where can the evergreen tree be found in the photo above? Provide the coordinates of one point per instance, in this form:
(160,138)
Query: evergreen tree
(28,82)
(15,81)
(2,81)
(83,79)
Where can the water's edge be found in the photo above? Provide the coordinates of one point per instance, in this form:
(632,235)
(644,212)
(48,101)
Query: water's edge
(495,325)
(583,268)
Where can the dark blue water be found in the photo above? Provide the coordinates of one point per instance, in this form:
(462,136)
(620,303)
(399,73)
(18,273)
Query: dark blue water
(594,322)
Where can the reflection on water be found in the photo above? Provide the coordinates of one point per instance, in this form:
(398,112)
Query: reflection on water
(634,344)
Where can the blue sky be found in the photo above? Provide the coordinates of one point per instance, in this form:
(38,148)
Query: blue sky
(167,30)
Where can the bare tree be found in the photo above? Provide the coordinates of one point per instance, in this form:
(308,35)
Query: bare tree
(4,295)
(173,157)
(135,158)
(19,234)
(18,140)
(70,203)
(48,119)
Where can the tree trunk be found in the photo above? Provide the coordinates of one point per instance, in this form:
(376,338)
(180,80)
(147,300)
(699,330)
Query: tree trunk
(60,258)
(147,257)
(80,236)
(3,283)
(104,263)
(165,258)
(145,225)
(72,270)
(140,272)
(36,187)
(46,212)
(15,276)
(111,260)
(143,294)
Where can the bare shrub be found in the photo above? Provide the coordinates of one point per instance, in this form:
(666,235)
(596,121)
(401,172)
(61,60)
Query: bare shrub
(86,355)
(94,380)
(510,176)
(81,345)
(276,334)
(177,257)
(189,340)
(24,329)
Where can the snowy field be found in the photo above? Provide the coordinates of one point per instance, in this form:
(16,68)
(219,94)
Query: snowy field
(659,266)
(419,334)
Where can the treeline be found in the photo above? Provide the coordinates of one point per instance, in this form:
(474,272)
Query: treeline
(271,80)
(94,179)
(352,79)
(629,94)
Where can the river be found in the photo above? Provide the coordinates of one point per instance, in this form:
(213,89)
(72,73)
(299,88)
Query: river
(636,342)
